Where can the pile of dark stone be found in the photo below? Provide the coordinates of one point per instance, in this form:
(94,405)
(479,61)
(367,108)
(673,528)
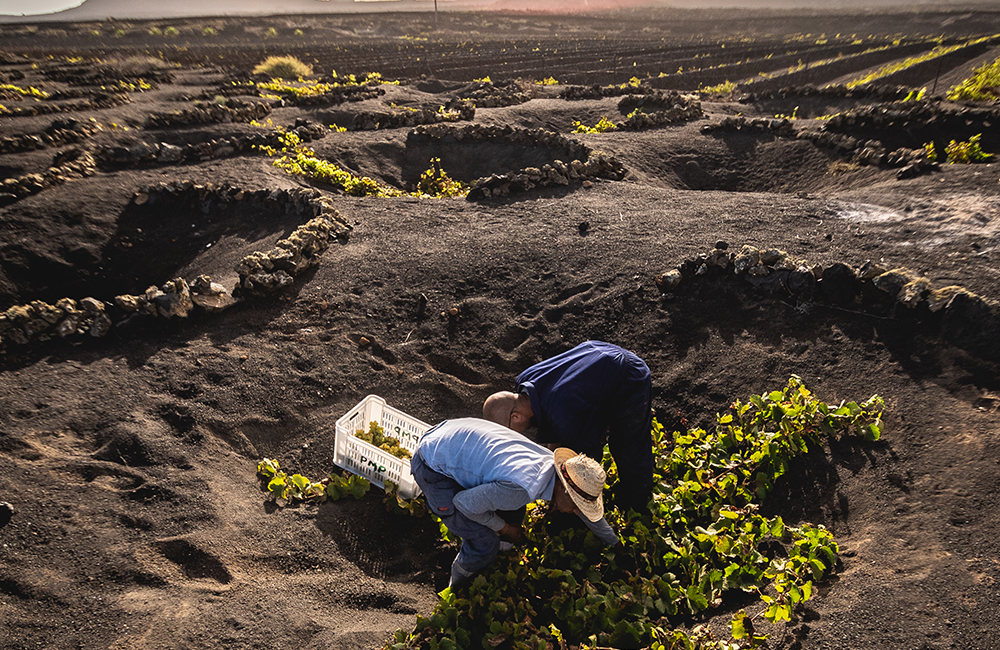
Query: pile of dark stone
(59,132)
(97,101)
(234,111)
(878,92)
(68,165)
(260,273)
(963,317)
(487,94)
(597,92)
(658,109)
(162,153)
(453,111)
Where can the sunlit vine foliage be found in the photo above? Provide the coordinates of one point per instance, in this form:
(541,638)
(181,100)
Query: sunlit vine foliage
(984,84)
(895,67)
(296,158)
(300,488)
(703,538)
(603,125)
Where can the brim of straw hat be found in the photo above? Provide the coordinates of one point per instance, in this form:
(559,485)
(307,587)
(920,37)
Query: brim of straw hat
(592,510)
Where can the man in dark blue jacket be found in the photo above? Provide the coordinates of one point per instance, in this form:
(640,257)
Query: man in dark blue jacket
(595,394)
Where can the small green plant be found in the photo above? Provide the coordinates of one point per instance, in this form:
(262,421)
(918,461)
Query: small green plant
(119,33)
(171,31)
(984,84)
(30,91)
(725,88)
(296,158)
(548,81)
(793,116)
(298,32)
(299,488)
(283,67)
(930,151)
(634,82)
(301,160)
(603,125)
(916,95)
(209,31)
(155,31)
(270,32)
(436,183)
(968,152)
(484,80)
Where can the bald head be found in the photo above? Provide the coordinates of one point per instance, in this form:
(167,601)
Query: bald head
(512,410)
(498,406)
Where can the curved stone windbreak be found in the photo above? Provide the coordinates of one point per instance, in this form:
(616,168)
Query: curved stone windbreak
(87,74)
(964,318)
(162,153)
(261,273)
(488,94)
(338,95)
(910,162)
(880,92)
(236,111)
(598,92)
(597,165)
(59,132)
(923,116)
(97,102)
(658,109)
(68,165)
(511,135)
(453,111)
(246,87)
(582,164)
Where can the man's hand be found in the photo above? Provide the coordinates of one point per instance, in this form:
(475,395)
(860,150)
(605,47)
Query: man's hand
(512,534)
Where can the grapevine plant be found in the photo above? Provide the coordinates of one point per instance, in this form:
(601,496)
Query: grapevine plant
(703,538)
(983,85)
(298,159)
(300,488)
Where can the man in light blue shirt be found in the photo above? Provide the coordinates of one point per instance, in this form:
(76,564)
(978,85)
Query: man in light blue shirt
(472,471)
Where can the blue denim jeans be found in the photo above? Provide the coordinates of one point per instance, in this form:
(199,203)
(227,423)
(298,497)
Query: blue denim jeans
(480,544)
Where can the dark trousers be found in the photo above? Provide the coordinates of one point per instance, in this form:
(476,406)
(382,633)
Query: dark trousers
(480,544)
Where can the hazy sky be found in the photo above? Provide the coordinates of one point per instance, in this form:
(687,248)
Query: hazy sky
(36,6)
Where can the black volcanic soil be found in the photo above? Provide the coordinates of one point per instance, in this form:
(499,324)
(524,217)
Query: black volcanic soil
(130,460)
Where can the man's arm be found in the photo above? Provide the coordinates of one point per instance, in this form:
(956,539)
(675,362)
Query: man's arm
(481,502)
(603,530)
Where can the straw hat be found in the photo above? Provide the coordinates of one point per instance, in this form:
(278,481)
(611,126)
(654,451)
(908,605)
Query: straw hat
(583,477)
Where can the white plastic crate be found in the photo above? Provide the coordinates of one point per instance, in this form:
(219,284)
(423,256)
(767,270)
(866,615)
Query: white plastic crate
(365,459)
